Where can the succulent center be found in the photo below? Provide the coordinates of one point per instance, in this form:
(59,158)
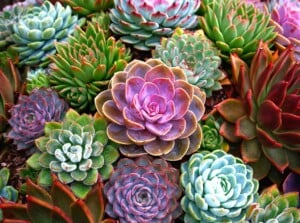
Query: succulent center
(29,118)
(143,197)
(74,153)
(154,105)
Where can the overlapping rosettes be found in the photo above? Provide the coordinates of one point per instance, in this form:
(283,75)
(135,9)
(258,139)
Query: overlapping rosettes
(153,109)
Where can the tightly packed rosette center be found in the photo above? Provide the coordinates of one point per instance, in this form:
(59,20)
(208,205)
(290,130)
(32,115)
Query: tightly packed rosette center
(153,109)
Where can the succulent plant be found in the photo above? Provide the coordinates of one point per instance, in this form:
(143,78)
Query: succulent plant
(218,187)
(103,19)
(143,22)
(235,27)
(39,28)
(60,205)
(37,78)
(153,110)
(143,190)
(6,191)
(291,184)
(30,114)
(196,55)
(266,116)
(89,7)
(83,67)
(271,206)
(76,149)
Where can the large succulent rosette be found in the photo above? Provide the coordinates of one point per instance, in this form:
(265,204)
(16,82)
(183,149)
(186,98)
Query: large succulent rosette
(219,187)
(153,109)
(143,22)
(143,190)
(30,114)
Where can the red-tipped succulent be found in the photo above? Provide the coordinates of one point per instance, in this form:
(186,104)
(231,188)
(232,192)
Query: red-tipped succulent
(153,109)
(266,117)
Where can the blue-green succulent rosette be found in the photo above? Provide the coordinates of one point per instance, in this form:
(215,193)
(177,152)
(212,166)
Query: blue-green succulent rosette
(218,187)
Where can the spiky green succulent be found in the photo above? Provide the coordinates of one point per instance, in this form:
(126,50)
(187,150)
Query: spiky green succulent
(77,150)
(196,55)
(39,28)
(83,67)
(273,207)
(103,19)
(36,79)
(235,27)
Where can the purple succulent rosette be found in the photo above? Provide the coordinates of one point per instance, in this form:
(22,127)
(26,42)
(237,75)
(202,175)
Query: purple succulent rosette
(153,110)
(143,190)
(29,115)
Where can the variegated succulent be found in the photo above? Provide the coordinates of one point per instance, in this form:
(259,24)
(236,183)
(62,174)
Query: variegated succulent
(83,67)
(143,22)
(39,28)
(37,78)
(153,110)
(266,117)
(77,150)
(235,27)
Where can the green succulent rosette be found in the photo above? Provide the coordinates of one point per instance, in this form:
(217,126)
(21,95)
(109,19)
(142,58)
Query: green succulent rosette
(37,31)
(83,67)
(273,207)
(76,150)
(218,187)
(37,78)
(235,27)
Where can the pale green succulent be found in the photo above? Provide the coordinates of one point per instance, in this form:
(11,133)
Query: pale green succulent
(196,55)
(77,150)
(36,79)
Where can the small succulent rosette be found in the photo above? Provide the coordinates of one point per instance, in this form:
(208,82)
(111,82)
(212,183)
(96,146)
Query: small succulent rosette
(152,109)
(273,207)
(218,187)
(77,150)
(143,190)
(37,78)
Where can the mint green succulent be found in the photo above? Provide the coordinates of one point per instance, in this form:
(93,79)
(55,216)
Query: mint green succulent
(218,187)
(36,79)
(77,150)
(273,207)
(37,31)
(196,55)
(6,191)
(103,19)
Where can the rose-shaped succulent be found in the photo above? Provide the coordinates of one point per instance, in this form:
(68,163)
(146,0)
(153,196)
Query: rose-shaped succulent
(143,190)
(219,187)
(143,22)
(153,109)
(76,149)
(30,114)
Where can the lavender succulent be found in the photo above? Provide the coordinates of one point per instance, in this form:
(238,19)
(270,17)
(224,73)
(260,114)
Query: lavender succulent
(30,114)
(143,190)
(153,109)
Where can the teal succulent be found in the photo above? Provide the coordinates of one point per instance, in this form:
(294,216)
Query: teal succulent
(219,187)
(196,55)
(272,207)
(37,78)
(6,191)
(39,28)
(77,150)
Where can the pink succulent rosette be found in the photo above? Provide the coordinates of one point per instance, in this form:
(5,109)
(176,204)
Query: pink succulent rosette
(153,110)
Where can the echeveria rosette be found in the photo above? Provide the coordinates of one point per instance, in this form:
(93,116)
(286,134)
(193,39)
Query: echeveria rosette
(142,23)
(271,206)
(37,78)
(30,114)
(83,67)
(39,28)
(266,116)
(218,187)
(143,190)
(236,27)
(153,110)
(76,150)
(196,55)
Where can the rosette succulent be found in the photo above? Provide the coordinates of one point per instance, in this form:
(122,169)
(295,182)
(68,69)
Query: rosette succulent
(83,67)
(76,150)
(39,28)
(88,7)
(271,206)
(266,117)
(30,114)
(196,55)
(218,187)
(37,78)
(235,27)
(143,22)
(153,110)
(143,190)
